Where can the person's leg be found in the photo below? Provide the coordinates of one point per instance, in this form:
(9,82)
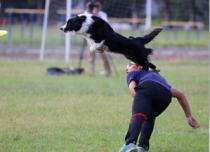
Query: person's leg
(134,130)
(141,106)
(146,132)
(159,104)
(107,67)
(138,118)
(91,58)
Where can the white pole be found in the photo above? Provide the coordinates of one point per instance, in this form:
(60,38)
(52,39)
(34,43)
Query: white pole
(148,14)
(68,40)
(44,30)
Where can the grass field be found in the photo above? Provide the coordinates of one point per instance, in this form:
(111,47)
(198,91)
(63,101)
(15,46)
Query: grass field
(78,113)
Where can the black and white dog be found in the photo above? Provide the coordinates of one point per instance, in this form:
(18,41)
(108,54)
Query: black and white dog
(101,37)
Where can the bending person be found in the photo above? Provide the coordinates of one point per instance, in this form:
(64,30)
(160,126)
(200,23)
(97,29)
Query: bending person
(152,95)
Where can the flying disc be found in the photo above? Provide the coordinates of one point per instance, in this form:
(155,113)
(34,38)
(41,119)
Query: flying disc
(3,33)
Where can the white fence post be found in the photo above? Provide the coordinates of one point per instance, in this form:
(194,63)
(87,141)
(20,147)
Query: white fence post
(148,14)
(44,30)
(68,40)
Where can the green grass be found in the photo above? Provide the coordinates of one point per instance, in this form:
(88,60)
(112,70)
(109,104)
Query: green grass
(55,37)
(78,113)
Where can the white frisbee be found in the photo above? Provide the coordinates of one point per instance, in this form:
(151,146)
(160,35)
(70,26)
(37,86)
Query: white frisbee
(3,33)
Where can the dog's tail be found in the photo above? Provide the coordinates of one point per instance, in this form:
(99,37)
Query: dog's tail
(149,37)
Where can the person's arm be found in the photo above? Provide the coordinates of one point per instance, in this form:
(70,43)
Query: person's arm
(131,86)
(185,106)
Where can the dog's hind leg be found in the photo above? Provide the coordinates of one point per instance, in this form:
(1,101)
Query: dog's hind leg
(153,67)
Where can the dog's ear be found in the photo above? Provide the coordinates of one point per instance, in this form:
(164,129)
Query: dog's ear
(149,37)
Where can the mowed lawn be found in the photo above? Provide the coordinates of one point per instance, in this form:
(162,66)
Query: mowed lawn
(79,113)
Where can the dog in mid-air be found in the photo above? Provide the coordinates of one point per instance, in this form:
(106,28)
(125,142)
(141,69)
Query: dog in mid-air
(101,37)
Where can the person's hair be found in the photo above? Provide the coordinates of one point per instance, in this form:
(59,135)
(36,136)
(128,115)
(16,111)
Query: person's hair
(98,1)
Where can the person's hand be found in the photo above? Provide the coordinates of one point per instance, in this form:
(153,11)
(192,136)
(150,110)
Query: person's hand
(193,122)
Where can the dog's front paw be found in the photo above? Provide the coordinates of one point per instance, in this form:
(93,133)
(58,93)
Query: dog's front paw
(93,49)
(97,47)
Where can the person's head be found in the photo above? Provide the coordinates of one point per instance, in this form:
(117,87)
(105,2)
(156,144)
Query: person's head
(97,7)
(93,6)
(133,66)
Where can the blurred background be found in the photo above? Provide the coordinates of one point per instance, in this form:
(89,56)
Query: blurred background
(185,24)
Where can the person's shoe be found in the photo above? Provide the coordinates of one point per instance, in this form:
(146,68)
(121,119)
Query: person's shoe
(140,149)
(127,148)
(105,73)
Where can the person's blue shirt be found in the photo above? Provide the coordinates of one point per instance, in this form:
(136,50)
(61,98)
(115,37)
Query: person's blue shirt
(140,76)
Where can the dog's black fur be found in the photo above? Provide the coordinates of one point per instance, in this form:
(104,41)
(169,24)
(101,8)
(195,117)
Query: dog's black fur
(133,48)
